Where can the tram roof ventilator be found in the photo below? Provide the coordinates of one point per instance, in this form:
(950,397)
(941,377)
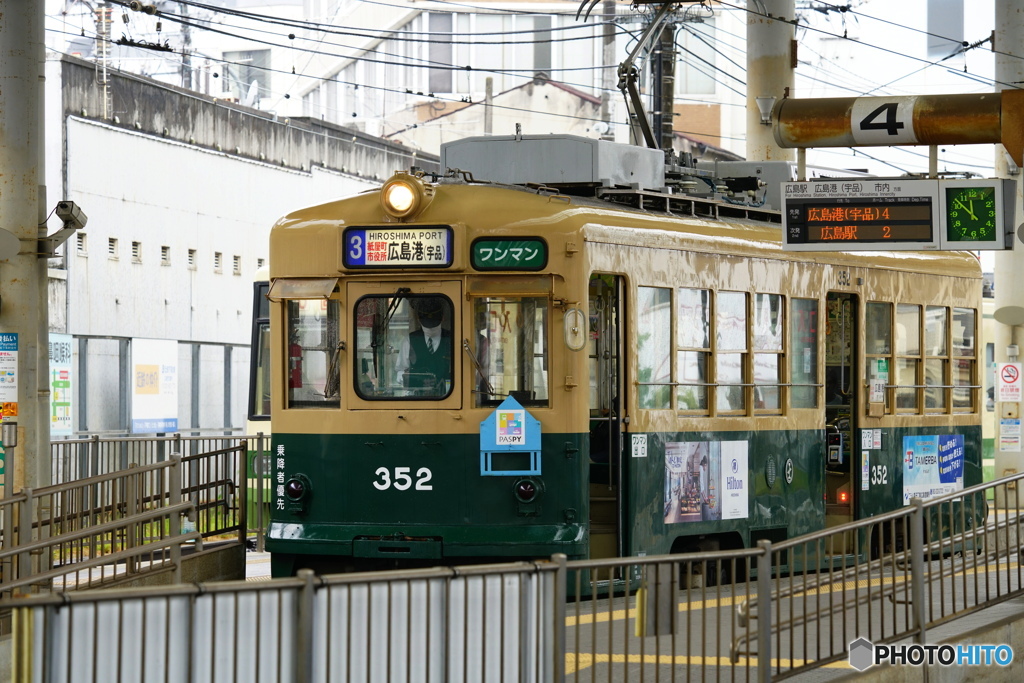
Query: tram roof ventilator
(558,161)
(584,166)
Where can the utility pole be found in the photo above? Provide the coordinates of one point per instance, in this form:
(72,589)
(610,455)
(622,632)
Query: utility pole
(664,86)
(186,49)
(1009,286)
(608,77)
(23,277)
(771,65)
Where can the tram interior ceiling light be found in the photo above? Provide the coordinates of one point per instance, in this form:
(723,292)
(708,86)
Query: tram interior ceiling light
(765,106)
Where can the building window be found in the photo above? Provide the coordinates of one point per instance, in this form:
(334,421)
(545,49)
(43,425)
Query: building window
(803,363)
(654,347)
(768,333)
(260,263)
(217,258)
(908,356)
(936,357)
(440,50)
(81,244)
(242,70)
(192,259)
(693,335)
(236,264)
(731,352)
(112,247)
(965,360)
(136,252)
(165,255)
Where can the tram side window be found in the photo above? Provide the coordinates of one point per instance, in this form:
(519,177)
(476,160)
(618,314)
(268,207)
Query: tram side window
(964,359)
(878,338)
(803,364)
(936,357)
(767,352)
(404,347)
(510,354)
(731,350)
(908,355)
(693,331)
(654,347)
(313,374)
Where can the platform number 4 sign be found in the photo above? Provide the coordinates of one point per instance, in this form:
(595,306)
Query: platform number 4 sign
(639,442)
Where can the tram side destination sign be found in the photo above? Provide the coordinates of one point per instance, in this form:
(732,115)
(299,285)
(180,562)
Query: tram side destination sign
(890,214)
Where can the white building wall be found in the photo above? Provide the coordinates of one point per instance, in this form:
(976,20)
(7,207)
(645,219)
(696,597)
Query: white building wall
(137,186)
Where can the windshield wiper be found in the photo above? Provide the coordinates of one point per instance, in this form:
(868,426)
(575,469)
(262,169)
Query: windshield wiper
(487,388)
(380,327)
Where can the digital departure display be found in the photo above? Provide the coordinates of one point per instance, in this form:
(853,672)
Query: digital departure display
(862,222)
(890,214)
(858,214)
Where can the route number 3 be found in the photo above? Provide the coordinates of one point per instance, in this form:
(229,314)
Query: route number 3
(402,479)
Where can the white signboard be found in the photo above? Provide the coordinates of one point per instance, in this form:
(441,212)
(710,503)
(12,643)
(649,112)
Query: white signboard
(735,504)
(62,395)
(1009,435)
(154,386)
(1008,382)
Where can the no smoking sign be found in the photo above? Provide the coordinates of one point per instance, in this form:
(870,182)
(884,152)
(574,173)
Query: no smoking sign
(1008,379)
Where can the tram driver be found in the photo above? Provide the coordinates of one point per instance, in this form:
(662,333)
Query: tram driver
(425,359)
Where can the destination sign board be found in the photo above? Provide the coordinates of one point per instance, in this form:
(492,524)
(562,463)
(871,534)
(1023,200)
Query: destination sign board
(890,214)
(398,247)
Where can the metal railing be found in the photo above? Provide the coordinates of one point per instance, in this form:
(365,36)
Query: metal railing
(80,458)
(890,578)
(770,612)
(109,528)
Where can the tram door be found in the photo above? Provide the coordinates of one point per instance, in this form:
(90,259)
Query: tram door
(840,409)
(606,416)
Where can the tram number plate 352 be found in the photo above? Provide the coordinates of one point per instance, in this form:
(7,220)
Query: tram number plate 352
(401,478)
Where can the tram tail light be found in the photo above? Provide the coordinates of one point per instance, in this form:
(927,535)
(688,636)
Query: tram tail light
(844,497)
(526,491)
(298,491)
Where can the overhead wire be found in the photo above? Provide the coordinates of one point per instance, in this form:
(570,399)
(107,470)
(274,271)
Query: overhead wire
(390,35)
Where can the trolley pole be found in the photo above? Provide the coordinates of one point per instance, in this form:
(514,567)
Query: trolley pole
(24,313)
(1009,294)
(771,64)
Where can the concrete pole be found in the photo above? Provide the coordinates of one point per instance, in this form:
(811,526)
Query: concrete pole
(770,71)
(608,62)
(1009,286)
(23,296)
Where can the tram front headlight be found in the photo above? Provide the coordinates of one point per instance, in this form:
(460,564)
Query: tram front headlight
(298,490)
(405,195)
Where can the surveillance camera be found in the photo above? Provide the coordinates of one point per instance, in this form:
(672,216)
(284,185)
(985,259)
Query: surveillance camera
(72,215)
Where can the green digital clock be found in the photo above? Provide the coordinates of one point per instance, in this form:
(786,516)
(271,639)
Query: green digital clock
(972,214)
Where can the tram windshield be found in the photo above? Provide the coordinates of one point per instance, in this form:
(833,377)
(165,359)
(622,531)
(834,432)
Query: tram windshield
(313,354)
(509,350)
(405,347)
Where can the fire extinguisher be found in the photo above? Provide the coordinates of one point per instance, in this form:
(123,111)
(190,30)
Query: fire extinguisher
(294,366)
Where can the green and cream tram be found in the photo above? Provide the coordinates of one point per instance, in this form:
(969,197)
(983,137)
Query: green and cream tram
(468,371)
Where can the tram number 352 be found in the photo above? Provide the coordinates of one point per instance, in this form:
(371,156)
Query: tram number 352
(402,479)
(879,474)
